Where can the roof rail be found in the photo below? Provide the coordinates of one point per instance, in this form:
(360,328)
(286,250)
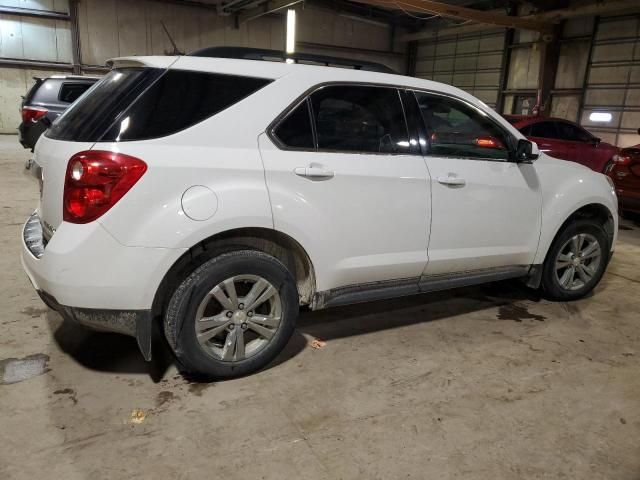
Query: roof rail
(279,56)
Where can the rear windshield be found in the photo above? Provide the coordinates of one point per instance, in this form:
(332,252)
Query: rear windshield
(145,103)
(70,92)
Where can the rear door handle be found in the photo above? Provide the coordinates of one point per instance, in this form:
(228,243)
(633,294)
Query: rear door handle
(313,172)
(450,180)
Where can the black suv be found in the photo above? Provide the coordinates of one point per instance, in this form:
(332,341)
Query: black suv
(45,101)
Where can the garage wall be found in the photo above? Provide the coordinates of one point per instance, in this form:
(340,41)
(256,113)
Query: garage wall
(613,80)
(472,62)
(112,28)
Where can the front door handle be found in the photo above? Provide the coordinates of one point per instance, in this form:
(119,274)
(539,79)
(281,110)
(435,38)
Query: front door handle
(451,180)
(313,172)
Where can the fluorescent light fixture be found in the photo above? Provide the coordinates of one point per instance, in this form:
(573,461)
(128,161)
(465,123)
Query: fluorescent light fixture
(604,117)
(291,31)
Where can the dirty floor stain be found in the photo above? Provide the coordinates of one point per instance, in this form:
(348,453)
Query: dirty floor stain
(14,370)
(518,313)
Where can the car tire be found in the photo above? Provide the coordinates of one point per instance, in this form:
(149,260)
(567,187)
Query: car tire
(213,334)
(572,268)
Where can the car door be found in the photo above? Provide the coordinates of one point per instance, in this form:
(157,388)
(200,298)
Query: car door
(546,136)
(581,145)
(345,180)
(486,209)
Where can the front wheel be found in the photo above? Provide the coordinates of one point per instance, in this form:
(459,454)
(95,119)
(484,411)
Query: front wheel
(576,260)
(232,315)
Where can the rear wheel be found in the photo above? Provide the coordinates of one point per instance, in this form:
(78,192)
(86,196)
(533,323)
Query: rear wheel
(576,261)
(232,315)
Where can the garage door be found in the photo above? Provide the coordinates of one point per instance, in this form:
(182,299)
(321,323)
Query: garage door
(472,62)
(612,98)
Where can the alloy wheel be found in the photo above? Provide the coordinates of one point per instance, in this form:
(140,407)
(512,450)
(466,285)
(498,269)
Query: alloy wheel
(238,317)
(578,261)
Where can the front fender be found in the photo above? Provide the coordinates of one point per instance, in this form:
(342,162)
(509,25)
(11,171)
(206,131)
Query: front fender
(566,188)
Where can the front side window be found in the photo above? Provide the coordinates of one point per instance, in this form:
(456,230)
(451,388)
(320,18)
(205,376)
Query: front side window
(359,119)
(543,130)
(455,129)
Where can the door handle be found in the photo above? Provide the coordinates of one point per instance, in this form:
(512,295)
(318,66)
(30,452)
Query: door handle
(453,181)
(313,172)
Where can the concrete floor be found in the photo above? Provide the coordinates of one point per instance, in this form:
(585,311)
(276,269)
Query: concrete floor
(476,383)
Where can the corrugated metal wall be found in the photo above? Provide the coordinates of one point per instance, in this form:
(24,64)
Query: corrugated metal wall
(112,28)
(472,62)
(613,80)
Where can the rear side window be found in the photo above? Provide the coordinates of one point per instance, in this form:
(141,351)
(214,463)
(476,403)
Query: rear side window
(145,103)
(295,131)
(566,131)
(88,119)
(360,119)
(178,100)
(69,92)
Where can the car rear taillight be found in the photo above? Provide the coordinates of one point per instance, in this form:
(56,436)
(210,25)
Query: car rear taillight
(95,181)
(33,114)
(622,159)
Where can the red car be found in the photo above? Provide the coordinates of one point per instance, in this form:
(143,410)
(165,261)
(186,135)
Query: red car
(625,173)
(566,140)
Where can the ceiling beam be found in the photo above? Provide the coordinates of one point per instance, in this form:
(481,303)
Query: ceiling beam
(265,8)
(598,7)
(463,13)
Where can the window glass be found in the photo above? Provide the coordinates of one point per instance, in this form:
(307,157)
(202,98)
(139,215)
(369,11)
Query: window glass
(543,130)
(566,131)
(69,92)
(295,130)
(455,129)
(526,131)
(178,100)
(87,119)
(359,119)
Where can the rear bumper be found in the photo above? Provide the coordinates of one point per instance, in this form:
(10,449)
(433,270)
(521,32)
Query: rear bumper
(136,323)
(628,200)
(89,278)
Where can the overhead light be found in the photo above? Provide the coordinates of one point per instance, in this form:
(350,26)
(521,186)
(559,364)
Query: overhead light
(604,117)
(291,31)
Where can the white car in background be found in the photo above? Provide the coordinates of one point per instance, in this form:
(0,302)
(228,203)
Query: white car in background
(211,197)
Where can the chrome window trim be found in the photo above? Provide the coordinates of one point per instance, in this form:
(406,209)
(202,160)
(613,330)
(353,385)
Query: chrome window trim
(508,136)
(270,130)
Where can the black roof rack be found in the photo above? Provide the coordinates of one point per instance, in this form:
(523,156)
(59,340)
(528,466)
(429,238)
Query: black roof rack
(279,56)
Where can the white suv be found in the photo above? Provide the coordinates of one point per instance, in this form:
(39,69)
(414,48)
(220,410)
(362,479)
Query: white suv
(211,197)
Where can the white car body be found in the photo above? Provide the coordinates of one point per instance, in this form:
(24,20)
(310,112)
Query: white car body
(377,220)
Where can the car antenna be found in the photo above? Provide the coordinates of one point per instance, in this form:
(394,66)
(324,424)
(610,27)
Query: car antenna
(176,50)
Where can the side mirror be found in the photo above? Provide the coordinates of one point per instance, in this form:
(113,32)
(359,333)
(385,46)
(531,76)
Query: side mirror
(595,140)
(526,151)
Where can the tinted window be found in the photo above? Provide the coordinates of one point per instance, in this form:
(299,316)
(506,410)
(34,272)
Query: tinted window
(87,119)
(543,130)
(178,100)
(295,130)
(566,131)
(455,129)
(69,92)
(359,119)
